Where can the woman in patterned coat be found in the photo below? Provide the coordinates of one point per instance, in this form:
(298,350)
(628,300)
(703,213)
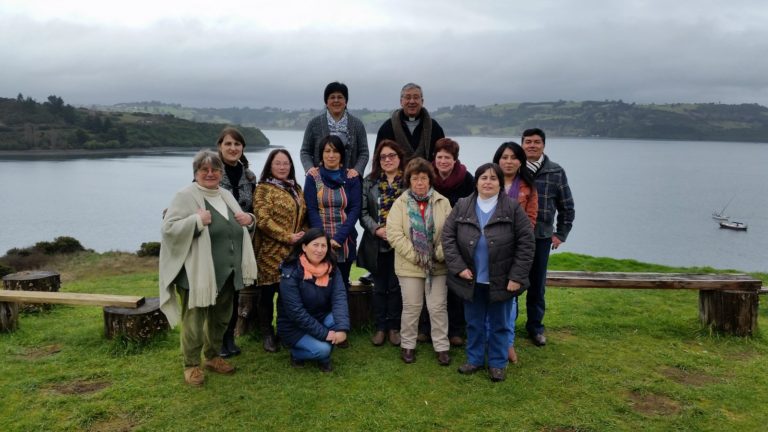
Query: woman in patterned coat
(280,212)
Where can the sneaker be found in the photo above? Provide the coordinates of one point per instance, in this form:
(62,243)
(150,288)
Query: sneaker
(194,376)
(219,365)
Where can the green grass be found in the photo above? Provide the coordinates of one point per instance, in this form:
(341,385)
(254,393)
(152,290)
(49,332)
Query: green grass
(616,360)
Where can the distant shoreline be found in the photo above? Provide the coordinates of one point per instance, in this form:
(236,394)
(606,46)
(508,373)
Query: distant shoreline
(100,153)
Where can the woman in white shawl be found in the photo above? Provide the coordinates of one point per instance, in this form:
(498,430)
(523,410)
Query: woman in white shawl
(205,256)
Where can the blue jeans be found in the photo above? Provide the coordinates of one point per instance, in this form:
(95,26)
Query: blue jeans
(512,319)
(309,348)
(495,342)
(534,297)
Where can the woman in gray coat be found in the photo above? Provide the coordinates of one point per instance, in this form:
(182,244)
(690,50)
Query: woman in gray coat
(488,227)
(380,190)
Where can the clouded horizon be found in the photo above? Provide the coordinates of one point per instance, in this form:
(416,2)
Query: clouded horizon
(282,54)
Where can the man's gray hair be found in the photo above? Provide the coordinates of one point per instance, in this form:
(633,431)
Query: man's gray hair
(207,158)
(410,86)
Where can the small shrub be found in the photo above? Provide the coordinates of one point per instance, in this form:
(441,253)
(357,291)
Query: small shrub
(149,249)
(6,270)
(59,245)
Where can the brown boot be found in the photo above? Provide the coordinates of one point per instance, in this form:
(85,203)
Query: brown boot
(378,338)
(408,355)
(443,358)
(394,337)
(194,376)
(219,365)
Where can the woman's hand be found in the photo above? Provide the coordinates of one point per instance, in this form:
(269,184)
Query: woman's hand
(313,171)
(339,337)
(513,286)
(466,274)
(205,216)
(335,244)
(381,232)
(331,336)
(296,237)
(244,219)
(352,173)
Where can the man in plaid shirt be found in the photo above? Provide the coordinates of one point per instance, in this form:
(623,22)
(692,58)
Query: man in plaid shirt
(554,198)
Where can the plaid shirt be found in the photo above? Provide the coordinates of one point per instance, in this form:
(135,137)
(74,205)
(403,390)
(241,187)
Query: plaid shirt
(554,197)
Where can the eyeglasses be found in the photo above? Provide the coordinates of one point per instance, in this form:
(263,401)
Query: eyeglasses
(388,156)
(205,170)
(411,97)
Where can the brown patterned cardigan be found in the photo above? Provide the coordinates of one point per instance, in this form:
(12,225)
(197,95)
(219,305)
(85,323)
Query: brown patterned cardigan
(277,217)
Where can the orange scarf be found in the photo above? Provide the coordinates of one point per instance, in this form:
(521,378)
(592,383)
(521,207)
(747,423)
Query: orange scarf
(321,272)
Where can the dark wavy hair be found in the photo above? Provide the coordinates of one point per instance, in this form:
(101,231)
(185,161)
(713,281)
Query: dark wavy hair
(523,172)
(266,172)
(335,143)
(311,234)
(376,163)
(234,133)
(485,167)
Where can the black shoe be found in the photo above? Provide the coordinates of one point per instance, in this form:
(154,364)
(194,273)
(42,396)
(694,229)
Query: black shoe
(270,343)
(366,279)
(539,339)
(497,374)
(296,363)
(408,355)
(468,369)
(326,367)
(233,349)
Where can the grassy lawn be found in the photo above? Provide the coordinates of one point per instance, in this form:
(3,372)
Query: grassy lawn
(616,360)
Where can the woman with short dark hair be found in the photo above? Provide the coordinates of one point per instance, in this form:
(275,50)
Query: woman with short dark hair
(312,312)
(334,201)
(488,243)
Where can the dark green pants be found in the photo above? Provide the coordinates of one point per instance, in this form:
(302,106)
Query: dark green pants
(202,329)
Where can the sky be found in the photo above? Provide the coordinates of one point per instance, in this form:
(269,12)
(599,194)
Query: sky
(283,53)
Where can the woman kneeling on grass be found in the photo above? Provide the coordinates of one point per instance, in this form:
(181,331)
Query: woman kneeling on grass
(205,256)
(488,243)
(312,311)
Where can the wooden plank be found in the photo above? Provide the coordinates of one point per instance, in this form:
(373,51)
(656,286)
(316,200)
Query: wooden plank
(71,298)
(718,282)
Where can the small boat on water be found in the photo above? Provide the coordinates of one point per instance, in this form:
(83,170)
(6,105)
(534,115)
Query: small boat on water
(737,226)
(720,215)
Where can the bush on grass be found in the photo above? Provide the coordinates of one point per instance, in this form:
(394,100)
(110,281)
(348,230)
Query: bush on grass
(149,249)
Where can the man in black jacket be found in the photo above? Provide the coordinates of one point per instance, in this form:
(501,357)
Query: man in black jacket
(411,127)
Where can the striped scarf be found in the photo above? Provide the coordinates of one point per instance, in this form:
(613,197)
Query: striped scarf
(388,194)
(422,230)
(534,166)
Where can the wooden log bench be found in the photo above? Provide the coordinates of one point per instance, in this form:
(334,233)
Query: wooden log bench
(727,302)
(123,314)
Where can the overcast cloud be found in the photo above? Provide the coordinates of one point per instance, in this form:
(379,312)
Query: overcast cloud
(282,54)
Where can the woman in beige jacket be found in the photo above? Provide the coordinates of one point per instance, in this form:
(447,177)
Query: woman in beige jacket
(414,228)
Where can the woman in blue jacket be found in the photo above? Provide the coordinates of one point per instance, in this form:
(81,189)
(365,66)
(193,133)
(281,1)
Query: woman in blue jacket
(312,312)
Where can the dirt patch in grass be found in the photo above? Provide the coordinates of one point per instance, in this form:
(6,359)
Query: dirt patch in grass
(653,404)
(116,424)
(40,352)
(689,378)
(564,334)
(79,387)
(742,355)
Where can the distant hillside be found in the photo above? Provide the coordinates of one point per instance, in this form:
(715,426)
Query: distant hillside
(610,119)
(28,125)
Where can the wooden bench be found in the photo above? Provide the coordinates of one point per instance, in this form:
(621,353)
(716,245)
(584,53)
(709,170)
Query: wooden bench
(727,302)
(134,317)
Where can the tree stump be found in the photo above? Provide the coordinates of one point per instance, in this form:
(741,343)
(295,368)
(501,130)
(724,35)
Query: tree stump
(136,325)
(9,317)
(247,318)
(360,309)
(732,312)
(37,280)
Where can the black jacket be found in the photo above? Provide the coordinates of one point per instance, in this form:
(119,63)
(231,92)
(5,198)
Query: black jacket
(510,247)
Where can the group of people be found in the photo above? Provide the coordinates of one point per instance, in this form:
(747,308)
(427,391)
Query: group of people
(466,245)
